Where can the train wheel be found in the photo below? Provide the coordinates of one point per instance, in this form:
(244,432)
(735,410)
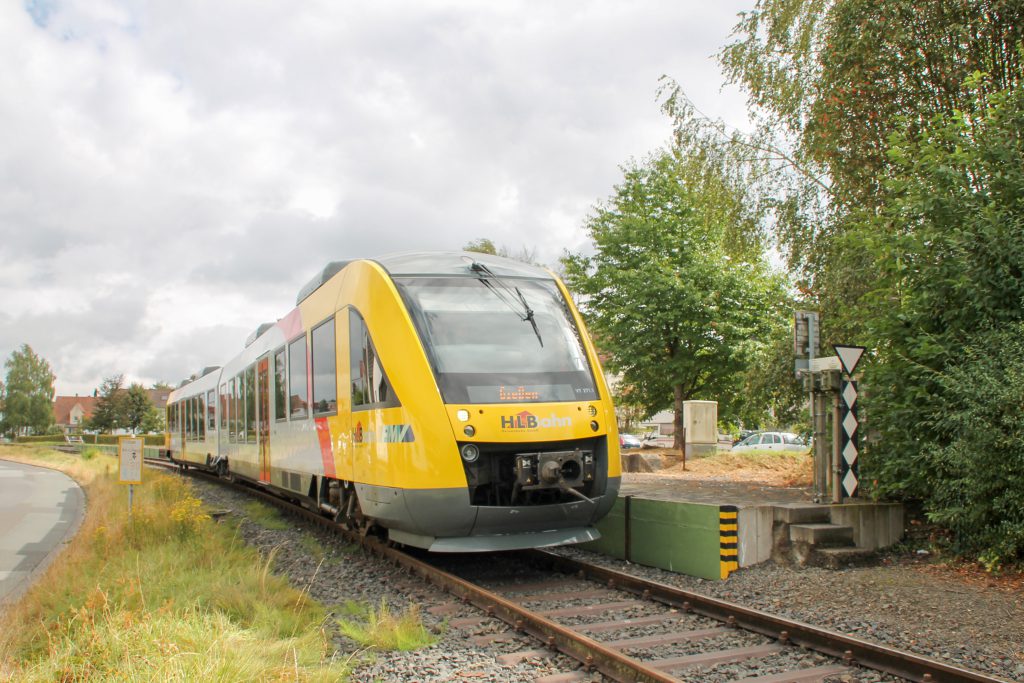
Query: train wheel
(350,515)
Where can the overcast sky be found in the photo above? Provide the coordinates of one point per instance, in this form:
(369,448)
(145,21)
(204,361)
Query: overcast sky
(172,172)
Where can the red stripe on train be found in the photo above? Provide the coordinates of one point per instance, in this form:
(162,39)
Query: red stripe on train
(323,434)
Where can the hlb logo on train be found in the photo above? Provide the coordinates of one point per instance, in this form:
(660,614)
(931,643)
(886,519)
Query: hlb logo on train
(526,421)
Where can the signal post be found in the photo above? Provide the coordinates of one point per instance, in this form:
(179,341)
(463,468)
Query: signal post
(832,391)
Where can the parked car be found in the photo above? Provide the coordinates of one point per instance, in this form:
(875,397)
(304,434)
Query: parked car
(771,441)
(744,433)
(630,441)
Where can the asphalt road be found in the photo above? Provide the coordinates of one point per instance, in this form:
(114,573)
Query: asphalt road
(40,510)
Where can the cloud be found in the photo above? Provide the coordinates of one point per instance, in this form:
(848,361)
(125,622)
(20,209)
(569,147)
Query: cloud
(172,174)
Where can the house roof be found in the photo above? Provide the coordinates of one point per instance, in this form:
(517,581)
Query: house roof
(159,397)
(63,405)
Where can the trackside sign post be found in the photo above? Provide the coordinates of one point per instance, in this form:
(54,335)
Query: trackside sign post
(848,445)
(129,458)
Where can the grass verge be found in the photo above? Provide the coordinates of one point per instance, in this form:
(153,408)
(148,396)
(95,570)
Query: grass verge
(381,629)
(264,515)
(168,596)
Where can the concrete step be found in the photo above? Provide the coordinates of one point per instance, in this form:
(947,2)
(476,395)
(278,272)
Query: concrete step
(801,513)
(838,558)
(821,535)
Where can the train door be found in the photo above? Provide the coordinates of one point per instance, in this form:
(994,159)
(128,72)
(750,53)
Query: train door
(263,415)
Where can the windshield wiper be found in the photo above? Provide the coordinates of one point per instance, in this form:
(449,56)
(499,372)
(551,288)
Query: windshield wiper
(507,295)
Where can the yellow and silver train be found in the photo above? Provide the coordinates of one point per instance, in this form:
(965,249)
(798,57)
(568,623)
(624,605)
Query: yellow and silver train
(451,399)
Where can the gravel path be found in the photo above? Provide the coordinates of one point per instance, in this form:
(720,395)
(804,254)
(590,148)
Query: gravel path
(901,603)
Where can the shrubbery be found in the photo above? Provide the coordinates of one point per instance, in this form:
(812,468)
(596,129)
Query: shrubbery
(946,384)
(978,474)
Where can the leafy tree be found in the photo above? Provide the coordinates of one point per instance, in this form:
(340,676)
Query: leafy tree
(829,81)
(773,395)
(153,421)
(481,246)
(487,246)
(111,411)
(140,413)
(678,315)
(953,276)
(27,393)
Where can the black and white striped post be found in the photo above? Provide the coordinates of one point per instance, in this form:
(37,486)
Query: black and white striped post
(849,441)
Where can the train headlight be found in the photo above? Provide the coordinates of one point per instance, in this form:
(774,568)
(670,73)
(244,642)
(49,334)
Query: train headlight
(463,415)
(470,452)
(594,425)
(468,430)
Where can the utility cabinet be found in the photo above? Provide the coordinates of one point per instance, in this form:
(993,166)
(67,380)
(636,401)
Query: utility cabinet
(700,418)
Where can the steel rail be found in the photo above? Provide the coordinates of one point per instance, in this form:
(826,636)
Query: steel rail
(612,662)
(848,648)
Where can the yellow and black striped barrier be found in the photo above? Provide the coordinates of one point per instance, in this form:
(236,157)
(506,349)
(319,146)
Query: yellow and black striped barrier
(728,534)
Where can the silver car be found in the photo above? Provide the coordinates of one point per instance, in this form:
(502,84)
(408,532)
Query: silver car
(771,441)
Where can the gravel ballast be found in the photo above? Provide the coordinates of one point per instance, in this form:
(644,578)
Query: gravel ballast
(899,604)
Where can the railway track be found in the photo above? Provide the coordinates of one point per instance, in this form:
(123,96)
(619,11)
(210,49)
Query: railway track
(632,629)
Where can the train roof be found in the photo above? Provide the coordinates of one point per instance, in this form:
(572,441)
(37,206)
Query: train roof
(430,263)
(456,263)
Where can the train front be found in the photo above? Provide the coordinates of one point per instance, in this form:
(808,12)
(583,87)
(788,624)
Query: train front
(532,418)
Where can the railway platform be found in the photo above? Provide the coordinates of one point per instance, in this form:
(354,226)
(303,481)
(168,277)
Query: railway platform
(40,510)
(710,527)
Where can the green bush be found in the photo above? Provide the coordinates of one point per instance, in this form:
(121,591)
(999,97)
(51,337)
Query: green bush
(41,438)
(949,246)
(978,474)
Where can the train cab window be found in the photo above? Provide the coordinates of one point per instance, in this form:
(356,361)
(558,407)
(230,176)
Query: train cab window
(280,388)
(298,395)
(211,411)
(325,380)
(370,386)
(495,340)
(250,404)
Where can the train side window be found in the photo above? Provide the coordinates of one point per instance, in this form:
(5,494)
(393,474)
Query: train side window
(298,395)
(280,388)
(200,415)
(211,411)
(325,380)
(233,389)
(240,402)
(223,408)
(190,431)
(250,404)
(370,385)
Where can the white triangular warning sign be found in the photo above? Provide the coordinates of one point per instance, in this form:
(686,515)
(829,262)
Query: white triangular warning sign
(849,356)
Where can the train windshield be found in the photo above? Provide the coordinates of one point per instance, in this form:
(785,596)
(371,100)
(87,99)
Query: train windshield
(499,340)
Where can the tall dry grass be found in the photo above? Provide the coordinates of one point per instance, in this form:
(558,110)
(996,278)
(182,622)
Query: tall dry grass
(167,595)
